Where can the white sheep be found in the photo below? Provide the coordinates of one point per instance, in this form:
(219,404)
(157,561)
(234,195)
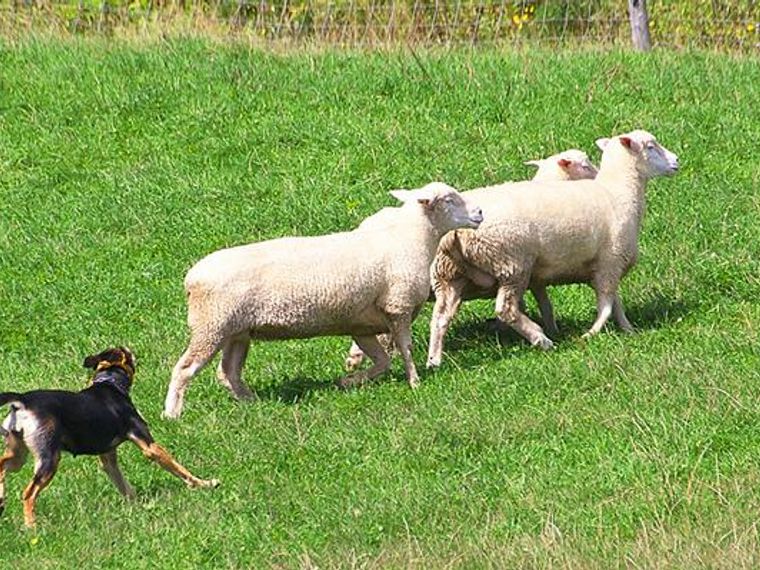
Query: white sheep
(352,283)
(544,233)
(572,164)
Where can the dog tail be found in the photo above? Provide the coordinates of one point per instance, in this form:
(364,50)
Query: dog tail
(15,400)
(11,398)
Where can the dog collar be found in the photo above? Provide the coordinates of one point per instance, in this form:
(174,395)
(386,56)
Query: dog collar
(107,365)
(113,376)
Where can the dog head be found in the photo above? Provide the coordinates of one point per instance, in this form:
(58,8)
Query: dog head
(113,358)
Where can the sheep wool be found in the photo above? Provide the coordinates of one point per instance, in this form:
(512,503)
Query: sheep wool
(540,233)
(364,284)
(571,164)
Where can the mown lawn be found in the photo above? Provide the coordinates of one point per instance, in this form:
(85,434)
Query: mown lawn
(123,164)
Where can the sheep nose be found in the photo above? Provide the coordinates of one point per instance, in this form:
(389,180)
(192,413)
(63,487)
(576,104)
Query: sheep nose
(477,215)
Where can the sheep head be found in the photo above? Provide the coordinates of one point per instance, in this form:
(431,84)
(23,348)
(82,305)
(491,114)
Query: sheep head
(640,149)
(443,205)
(571,164)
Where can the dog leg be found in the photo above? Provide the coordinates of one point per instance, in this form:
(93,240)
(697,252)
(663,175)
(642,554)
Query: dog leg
(155,452)
(111,467)
(44,472)
(12,460)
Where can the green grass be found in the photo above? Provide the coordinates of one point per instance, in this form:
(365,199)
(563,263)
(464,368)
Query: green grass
(120,166)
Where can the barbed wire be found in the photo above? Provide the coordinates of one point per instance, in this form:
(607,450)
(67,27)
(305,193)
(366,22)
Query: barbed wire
(720,24)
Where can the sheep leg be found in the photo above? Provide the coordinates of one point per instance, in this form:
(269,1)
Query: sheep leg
(618,314)
(604,303)
(546,309)
(356,355)
(448,297)
(372,347)
(230,367)
(402,336)
(508,311)
(201,350)
(354,358)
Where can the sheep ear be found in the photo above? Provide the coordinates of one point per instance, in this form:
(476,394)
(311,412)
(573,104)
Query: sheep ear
(402,195)
(536,163)
(630,144)
(423,197)
(602,143)
(564,163)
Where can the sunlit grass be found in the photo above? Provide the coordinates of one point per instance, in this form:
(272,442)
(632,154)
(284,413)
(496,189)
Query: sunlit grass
(121,166)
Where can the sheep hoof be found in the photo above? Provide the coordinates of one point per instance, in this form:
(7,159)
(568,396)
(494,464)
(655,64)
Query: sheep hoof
(352,363)
(244,395)
(496,325)
(170,415)
(551,331)
(351,381)
(544,343)
(414,383)
(433,363)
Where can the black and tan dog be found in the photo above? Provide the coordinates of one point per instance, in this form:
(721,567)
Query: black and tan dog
(94,421)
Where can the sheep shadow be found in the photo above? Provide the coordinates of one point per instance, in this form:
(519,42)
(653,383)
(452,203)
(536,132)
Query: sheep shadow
(658,312)
(654,314)
(293,390)
(476,332)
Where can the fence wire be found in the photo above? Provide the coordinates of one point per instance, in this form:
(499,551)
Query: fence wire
(720,24)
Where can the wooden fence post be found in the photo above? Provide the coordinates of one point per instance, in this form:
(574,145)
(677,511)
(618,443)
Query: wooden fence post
(637,11)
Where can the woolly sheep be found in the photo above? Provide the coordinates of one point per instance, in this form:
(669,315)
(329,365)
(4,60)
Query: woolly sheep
(544,233)
(352,283)
(572,164)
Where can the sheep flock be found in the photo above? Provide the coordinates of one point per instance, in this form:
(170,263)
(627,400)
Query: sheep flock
(571,223)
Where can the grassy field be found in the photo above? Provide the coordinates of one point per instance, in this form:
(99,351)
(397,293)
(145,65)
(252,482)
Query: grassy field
(120,166)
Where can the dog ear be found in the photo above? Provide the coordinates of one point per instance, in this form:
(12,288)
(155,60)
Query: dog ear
(92,361)
(129,357)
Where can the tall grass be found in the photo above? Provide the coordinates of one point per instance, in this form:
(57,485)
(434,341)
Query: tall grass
(120,166)
(715,24)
